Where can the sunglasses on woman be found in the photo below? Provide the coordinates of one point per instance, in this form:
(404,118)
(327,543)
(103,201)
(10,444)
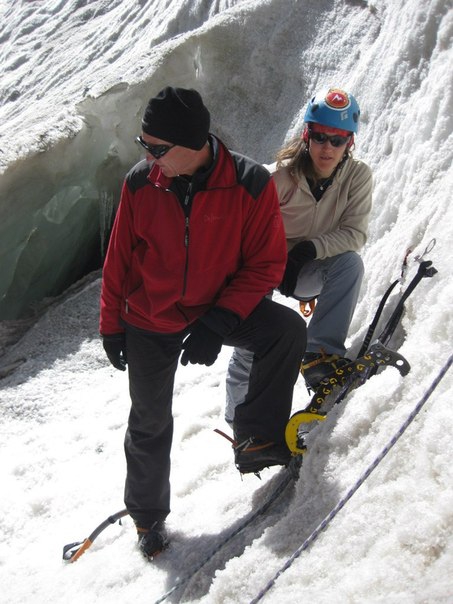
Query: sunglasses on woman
(334,139)
(157,151)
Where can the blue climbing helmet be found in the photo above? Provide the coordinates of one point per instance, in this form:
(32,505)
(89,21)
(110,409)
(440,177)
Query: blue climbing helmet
(334,107)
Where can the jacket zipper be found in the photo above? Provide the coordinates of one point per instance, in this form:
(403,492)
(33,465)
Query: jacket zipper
(186,242)
(186,236)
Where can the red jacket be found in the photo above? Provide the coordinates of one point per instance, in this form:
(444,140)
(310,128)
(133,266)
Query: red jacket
(163,270)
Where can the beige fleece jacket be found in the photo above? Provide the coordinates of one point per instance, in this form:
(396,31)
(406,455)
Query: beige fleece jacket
(338,222)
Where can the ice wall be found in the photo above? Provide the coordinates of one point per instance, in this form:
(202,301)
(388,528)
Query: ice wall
(77,76)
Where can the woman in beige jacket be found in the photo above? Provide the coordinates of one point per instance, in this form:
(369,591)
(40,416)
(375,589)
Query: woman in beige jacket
(325,200)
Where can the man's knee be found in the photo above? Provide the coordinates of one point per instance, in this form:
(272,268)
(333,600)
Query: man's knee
(288,323)
(270,323)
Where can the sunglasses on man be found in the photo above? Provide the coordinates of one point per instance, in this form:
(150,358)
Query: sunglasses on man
(334,139)
(157,151)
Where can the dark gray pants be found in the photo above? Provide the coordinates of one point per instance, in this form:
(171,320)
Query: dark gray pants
(276,336)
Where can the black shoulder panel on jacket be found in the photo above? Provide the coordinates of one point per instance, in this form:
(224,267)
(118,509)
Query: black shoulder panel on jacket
(137,177)
(251,175)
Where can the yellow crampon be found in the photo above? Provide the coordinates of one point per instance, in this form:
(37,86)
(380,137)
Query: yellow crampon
(293,428)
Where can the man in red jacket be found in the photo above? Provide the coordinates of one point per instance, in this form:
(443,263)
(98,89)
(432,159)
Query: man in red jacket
(196,246)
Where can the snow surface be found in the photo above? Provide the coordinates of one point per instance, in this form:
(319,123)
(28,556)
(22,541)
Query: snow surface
(64,409)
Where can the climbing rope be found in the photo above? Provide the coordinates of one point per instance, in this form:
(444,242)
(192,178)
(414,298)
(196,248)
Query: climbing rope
(314,535)
(288,476)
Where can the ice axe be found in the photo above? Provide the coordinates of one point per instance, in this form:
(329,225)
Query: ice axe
(73,551)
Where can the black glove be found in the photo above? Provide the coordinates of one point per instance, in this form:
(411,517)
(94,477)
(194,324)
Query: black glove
(297,257)
(203,344)
(115,348)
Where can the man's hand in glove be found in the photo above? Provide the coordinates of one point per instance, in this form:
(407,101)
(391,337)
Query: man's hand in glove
(202,346)
(115,349)
(297,257)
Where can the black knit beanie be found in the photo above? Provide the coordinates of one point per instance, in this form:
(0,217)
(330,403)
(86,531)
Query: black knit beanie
(177,115)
